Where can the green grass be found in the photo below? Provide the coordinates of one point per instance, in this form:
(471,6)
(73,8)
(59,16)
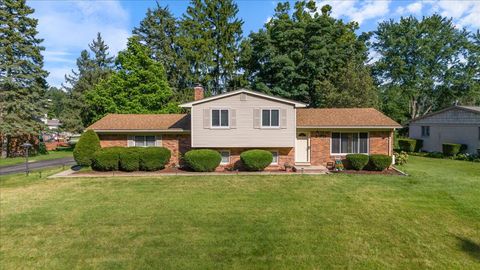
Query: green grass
(429,220)
(51,155)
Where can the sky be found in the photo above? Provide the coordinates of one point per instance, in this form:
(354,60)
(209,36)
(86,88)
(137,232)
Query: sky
(67,27)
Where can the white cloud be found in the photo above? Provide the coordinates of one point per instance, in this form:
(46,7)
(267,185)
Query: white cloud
(413,8)
(464,13)
(358,11)
(67,27)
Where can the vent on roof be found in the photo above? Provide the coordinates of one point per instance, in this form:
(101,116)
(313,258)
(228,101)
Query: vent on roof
(243,97)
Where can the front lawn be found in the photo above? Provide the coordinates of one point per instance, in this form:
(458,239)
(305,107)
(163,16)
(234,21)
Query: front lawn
(430,219)
(51,155)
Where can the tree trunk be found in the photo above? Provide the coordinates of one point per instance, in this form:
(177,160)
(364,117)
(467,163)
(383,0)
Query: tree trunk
(4,146)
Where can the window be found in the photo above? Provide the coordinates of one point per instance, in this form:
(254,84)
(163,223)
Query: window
(220,118)
(348,143)
(144,141)
(425,131)
(270,118)
(275,158)
(225,157)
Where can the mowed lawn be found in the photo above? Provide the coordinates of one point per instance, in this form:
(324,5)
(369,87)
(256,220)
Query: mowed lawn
(430,219)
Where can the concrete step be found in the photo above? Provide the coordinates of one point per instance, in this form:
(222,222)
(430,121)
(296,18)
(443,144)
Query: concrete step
(307,168)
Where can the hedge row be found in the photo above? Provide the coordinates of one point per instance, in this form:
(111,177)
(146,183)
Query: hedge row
(130,159)
(372,162)
(207,160)
(410,145)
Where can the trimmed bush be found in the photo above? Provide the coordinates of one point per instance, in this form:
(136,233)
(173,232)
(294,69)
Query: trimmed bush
(203,160)
(379,162)
(129,159)
(410,145)
(463,148)
(106,159)
(256,160)
(451,149)
(154,158)
(86,147)
(357,161)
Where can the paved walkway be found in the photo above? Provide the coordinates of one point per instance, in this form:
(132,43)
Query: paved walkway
(18,168)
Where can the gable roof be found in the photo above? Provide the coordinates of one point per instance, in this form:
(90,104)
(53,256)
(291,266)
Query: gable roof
(142,122)
(253,93)
(344,118)
(474,109)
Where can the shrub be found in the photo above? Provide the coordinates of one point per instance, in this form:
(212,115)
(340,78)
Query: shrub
(154,158)
(42,149)
(357,161)
(379,162)
(256,160)
(203,160)
(106,159)
(435,155)
(401,158)
(463,148)
(451,149)
(129,159)
(410,145)
(86,147)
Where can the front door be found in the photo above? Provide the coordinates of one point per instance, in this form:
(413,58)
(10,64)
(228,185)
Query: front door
(301,147)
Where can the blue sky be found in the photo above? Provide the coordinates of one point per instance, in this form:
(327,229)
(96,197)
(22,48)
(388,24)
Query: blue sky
(68,26)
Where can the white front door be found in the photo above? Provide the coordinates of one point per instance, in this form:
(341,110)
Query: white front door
(301,147)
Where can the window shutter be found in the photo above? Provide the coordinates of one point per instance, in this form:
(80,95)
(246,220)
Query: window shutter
(233,118)
(206,118)
(283,118)
(256,118)
(158,140)
(130,142)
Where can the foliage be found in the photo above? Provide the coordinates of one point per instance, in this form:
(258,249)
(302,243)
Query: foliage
(357,161)
(379,162)
(154,158)
(42,149)
(129,159)
(86,147)
(107,159)
(401,158)
(410,145)
(256,159)
(22,77)
(425,65)
(310,57)
(138,85)
(203,160)
(451,149)
(58,102)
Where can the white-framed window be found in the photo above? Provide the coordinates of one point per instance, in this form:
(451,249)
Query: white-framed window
(275,157)
(220,118)
(144,141)
(349,143)
(425,131)
(225,156)
(270,118)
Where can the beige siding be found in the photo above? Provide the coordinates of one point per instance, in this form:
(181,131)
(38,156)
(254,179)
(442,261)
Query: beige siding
(447,133)
(245,133)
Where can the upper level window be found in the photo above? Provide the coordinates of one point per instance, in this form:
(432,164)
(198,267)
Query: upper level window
(348,143)
(220,118)
(144,141)
(425,131)
(270,118)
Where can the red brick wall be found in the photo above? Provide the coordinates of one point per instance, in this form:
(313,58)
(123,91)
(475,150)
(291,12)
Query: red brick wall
(177,144)
(109,140)
(379,141)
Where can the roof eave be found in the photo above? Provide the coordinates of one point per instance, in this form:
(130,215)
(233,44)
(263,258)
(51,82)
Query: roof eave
(140,130)
(347,127)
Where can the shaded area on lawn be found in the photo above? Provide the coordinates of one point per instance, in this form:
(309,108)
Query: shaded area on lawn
(470,247)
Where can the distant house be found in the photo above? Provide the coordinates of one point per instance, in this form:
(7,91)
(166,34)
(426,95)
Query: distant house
(236,121)
(456,124)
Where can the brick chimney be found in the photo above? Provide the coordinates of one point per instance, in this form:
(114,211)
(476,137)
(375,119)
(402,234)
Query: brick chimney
(198,92)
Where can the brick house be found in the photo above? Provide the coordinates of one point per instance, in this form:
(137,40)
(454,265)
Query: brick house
(239,120)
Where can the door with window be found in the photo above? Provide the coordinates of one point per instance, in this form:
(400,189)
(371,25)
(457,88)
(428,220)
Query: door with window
(301,147)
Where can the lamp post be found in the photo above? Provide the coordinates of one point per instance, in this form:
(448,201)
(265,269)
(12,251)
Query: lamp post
(26,146)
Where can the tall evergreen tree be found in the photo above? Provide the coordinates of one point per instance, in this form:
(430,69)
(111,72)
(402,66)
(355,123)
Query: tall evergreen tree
(210,38)
(57,102)
(139,85)
(22,77)
(91,71)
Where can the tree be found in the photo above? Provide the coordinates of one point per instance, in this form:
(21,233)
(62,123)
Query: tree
(57,102)
(210,37)
(139,85)
(91,71)
(22,77)
(304,55)
(424,65)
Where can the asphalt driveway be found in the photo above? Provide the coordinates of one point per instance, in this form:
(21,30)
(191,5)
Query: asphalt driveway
(68,161)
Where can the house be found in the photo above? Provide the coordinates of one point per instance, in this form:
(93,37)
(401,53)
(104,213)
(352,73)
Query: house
(456,124)
(239,120)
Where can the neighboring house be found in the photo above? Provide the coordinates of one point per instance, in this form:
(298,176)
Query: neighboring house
(456,124)
(240,120)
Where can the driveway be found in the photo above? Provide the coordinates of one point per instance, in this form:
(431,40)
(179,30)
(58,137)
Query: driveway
(36,165)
